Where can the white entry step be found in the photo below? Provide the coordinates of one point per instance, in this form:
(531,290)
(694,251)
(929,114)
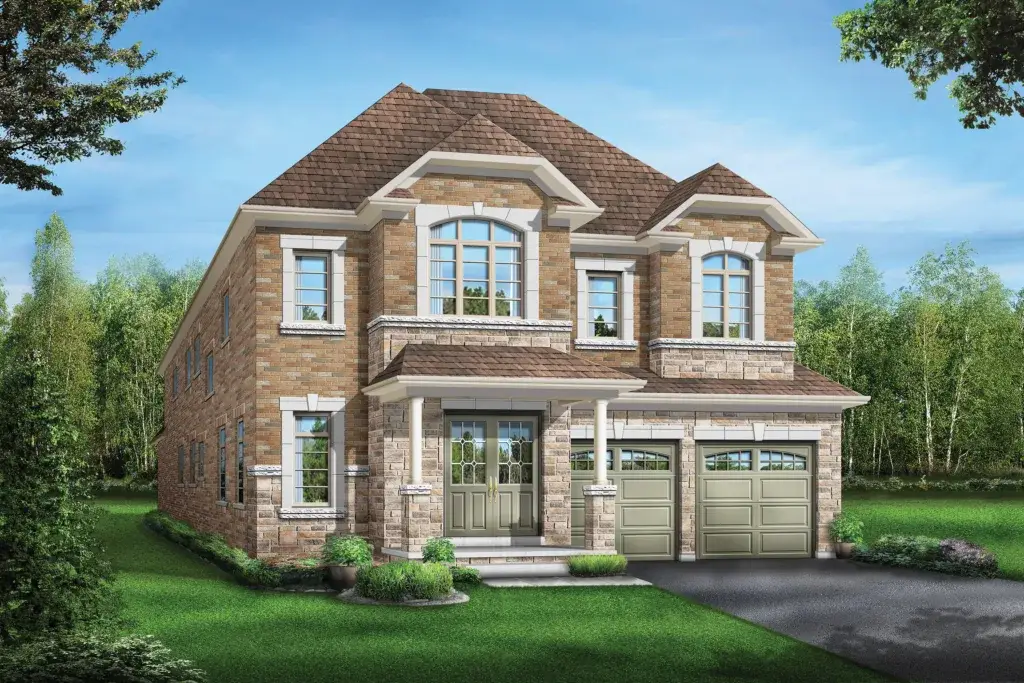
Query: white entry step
(518,570)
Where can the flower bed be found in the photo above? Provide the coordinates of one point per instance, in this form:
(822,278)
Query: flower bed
(949,556)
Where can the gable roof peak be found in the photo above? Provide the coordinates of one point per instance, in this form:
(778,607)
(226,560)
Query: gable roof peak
(480,135)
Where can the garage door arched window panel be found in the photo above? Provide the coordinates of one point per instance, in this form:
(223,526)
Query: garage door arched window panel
(515,452)
(582,461)
(726,303)
(634,460)
(781,460)
(476,268)
(469,458)
(740,460)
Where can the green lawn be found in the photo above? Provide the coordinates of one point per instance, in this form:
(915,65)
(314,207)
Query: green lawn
(609,634)
(993,520)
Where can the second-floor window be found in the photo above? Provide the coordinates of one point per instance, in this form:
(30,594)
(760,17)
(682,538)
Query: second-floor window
(476,268)
(726,292)
(603,305)
(196,355)
(311,287)
(209,373)
(226,329)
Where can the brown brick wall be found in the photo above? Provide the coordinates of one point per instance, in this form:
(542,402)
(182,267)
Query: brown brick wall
(778,298)
(193,415)
(398,267)
(297,365)
(557,275)
(464,190)
(670,294)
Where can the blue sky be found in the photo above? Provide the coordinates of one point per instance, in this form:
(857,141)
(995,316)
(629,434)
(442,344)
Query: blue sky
(754,85)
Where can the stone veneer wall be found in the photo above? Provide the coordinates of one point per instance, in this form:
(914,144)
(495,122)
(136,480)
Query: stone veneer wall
(711,362)
(828,465)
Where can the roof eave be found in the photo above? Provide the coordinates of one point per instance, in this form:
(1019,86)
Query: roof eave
(753,403)
(401,387)
(769,209)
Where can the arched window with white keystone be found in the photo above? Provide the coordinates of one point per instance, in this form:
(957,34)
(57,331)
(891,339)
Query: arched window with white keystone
(727,286)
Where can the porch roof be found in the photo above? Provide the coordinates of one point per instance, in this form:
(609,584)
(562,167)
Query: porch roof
(448,371)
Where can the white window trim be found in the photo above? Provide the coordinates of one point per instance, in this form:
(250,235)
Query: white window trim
(755,251)
(335,408)
(336,247)
(626,269)
(527,221)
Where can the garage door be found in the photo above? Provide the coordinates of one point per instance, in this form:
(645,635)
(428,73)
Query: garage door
(645,474)
(754,500)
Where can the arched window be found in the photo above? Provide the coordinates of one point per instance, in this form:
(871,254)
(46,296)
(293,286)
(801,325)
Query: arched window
(476,268)
(726,290)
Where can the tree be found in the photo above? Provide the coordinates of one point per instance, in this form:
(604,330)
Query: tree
(46,116)
(52,577)
(981,42)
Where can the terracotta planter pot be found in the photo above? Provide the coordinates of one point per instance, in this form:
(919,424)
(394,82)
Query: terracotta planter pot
(343,577)
(844,551)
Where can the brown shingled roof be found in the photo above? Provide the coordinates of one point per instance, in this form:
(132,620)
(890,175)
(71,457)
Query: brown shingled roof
(441,360)
(363,156)
(481,136)
(805,382)
(628,189)
(403,125)
(715,179)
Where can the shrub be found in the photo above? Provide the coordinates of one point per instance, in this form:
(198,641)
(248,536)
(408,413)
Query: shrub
(400,581)
(439,550)
(351,551)
(950,556)
(212,547)
(89,659)
(597,565)
(467,576)
(894,484)
(845,528)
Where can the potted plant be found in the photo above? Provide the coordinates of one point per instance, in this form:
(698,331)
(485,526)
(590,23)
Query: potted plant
(846,532)
(343,556)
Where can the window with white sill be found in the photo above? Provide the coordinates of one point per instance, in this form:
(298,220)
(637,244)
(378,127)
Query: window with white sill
(604,303)
(313,285)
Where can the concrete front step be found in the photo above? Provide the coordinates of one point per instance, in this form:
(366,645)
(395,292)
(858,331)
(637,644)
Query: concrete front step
(518,570)
(491,554)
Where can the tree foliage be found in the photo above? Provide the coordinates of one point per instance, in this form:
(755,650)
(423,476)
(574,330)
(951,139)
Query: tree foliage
(980,42)
(57,100)
(942,359)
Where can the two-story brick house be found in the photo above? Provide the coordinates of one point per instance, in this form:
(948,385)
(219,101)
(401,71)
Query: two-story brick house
(431,323)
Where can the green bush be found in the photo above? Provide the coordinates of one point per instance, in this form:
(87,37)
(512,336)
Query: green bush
(950,556)
(212,547)
(597,565)
(350,551)
(466,576)
(89,659)
(439,550)
(895,484)
(401,581)
(846,528)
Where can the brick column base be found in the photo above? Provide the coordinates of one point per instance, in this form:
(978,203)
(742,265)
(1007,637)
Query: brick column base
(599,517)
(415,516)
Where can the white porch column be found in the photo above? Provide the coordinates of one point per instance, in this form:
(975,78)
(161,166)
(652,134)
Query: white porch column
(416,440)
(600,441)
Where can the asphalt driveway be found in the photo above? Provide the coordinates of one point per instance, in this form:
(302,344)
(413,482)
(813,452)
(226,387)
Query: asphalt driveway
(914,625)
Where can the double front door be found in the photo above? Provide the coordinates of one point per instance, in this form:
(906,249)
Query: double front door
(491,476)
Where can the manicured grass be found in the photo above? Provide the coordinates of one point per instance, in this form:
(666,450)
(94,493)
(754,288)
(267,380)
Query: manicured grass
(604,634)
(992,520)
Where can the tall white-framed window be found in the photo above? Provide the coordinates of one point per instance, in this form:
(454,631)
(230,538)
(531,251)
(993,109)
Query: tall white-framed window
(476,269)
(604,303)
(727,277)
(222,464)
(240,462)
(726,291)
(452,282)
(313,285)
(312,457)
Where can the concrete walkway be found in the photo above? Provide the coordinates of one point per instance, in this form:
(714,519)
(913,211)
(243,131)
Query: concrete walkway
(561,581)
(914,625)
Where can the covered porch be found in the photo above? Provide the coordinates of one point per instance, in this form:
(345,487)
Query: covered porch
(473,443)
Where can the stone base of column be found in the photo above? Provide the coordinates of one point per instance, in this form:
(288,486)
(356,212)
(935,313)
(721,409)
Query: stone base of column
(415,516)
(599,516)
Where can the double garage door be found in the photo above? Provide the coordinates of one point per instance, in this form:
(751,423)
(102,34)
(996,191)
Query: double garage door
(752,500)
